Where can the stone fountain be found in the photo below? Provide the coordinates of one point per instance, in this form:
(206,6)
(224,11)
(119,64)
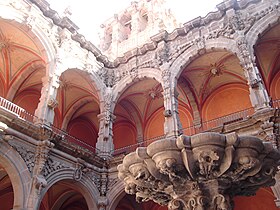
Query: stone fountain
(204,171)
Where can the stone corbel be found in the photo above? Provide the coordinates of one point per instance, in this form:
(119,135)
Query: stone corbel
(39,182)
(102,203)
(80,169)
(255,83)
(52,103)
(167,113)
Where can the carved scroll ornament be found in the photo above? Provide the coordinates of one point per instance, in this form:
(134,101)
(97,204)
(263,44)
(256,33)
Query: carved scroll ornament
(204,171)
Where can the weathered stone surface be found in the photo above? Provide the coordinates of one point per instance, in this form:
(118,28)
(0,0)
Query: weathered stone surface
(204,171)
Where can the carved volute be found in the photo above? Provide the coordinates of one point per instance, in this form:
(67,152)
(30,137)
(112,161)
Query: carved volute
(204,171)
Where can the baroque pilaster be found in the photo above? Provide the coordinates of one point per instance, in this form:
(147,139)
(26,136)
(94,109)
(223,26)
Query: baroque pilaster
(48,102)
(172,125)
(258,94)
(104,143)
(38,179)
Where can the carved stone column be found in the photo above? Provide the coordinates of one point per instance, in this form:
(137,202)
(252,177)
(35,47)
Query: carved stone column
(47,104)
(38,179)
(172,125)
(104,143)
(258,94)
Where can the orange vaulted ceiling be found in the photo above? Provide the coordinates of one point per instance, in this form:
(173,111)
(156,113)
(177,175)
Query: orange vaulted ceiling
(210,71)
(21,60)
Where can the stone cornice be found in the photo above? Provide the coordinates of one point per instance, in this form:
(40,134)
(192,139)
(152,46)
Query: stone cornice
(162,36)
(187,28)
(65,22)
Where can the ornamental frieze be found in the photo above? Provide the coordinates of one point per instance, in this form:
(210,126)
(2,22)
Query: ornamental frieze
(27,155)
(51,166)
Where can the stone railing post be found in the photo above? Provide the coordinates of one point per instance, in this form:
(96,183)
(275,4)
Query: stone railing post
(258,93)
(172,125)
(105,136)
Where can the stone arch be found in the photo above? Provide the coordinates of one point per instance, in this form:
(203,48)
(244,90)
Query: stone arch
(194,109)
(125,82)
(260,27)
(274,87)
(115,195)
(93,88)
(178,66)
(85,186)
(18,173)
(67,117)
(26,19)
(93,79)
(192,53)
(19,80)
(139,130)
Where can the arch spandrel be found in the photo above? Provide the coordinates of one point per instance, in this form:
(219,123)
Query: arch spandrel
(268,58)
(260,27)
(18,173)
(85,186)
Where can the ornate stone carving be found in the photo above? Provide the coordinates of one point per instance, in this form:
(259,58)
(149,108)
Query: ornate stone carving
(112,182)
(27,155)
(200,43)
(103,189)
(52,103)
(78,172)
(204,171)
(240,22)
(108,116)
(80,169)
(108,76)
(51,166)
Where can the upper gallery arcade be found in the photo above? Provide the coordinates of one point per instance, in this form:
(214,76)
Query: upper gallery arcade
(83,107)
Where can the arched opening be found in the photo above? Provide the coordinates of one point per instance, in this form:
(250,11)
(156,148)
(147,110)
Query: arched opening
(226,100)
(154,125)
(63,196)
(22,65)
(78,108)
(128,202)
(28,99)
(126,26)
(139,113)
(213,85)
(268,59)
(125,132)
(263,200)
(6,190)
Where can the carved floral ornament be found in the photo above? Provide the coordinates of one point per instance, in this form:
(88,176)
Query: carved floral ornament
(204,171)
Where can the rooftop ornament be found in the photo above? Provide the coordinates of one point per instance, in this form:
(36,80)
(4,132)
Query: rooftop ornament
(204,171)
